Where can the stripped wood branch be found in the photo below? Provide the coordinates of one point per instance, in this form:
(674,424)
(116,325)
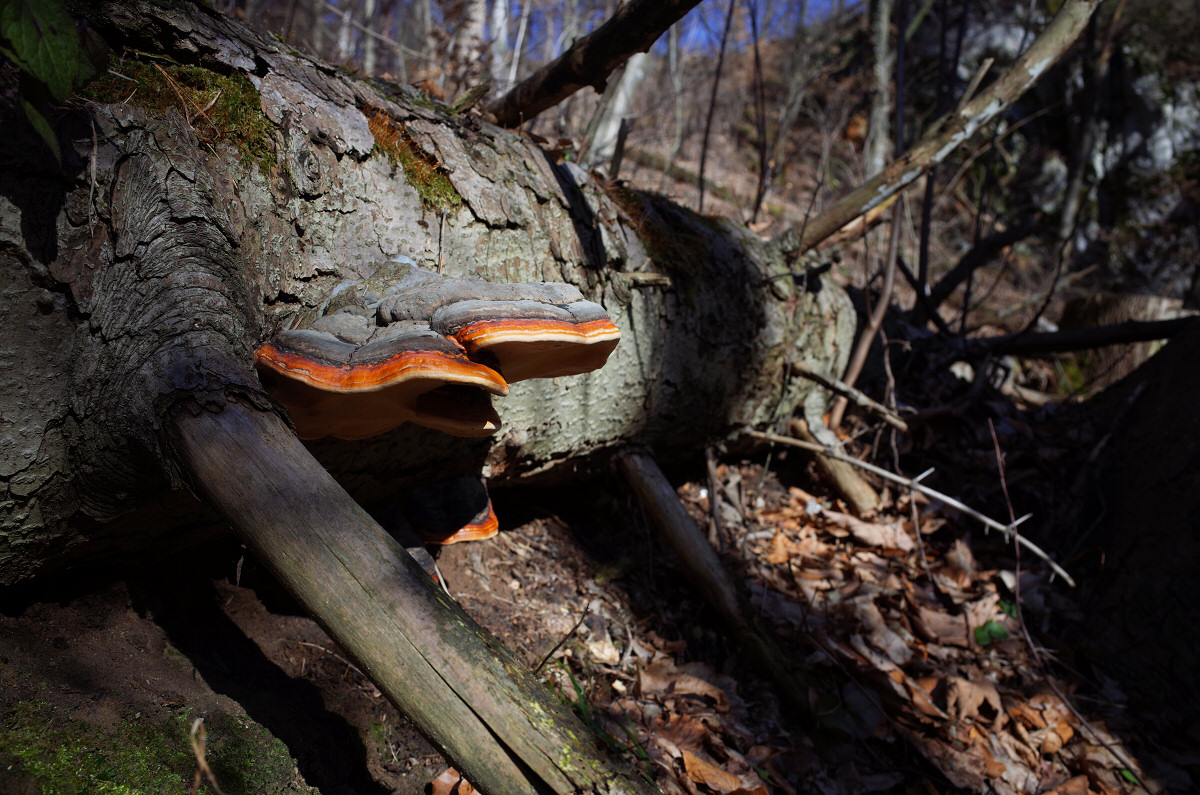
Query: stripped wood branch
(681,533)
(949,132)
(510,734)
(1009,530)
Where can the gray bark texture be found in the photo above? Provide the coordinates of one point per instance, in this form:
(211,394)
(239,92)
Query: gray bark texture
(151,266)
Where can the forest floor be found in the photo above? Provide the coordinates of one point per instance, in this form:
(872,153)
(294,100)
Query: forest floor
(920,676)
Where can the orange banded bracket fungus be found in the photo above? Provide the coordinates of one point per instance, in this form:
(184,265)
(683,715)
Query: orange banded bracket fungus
(407,345)
(444,511)
(335,387)
(523,331)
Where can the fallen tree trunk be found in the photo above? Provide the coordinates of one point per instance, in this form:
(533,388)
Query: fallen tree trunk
(176,228)
(234,203)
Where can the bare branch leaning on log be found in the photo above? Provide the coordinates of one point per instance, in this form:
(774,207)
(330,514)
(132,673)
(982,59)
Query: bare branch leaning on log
(468,694)
(949,132)
(660,501)
(590,60)
(1080,339)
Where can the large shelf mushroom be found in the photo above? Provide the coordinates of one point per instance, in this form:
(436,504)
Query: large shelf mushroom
(407,345)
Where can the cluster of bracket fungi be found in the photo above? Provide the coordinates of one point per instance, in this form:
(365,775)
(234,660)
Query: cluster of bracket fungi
(407,345)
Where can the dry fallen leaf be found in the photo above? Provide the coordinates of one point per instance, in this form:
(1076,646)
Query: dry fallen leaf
(704,772)
(889,536)
(664,678)
(879,634)
(941,627)
(451,782)
(1074,786)
(966,698)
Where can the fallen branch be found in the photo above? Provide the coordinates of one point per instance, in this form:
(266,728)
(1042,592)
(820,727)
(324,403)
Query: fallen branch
(1009,530)
(857,493)
(980,254)
(590,60)
(1028,344)
(681,533)
(470,696)
(857,397)
(949,132)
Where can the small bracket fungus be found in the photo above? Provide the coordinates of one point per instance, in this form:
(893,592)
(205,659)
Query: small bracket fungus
(332,387)
(444,511)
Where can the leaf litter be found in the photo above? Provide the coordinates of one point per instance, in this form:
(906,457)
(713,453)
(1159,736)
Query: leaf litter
(901,663)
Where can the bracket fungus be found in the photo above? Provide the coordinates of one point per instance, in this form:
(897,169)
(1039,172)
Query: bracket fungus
(444,511)
(335,387)
(407,345)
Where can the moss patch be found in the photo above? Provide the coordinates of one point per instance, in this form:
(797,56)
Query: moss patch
(142,755)
(66,756)
(423,172)
(222,109)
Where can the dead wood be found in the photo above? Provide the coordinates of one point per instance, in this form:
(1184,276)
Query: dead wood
(858,494)
(949,132)
(710,578)
(1030,344)
(171,239)
(590,60)
(471,697)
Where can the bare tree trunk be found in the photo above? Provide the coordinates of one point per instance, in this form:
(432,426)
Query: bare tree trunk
(342,53)
(614,106)
(498,47)
(673,71)
(875,153)
(370,47)
(317,37)
(469,52)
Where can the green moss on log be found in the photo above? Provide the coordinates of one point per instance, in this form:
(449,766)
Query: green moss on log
(222,109)
(424,173)
(145,753)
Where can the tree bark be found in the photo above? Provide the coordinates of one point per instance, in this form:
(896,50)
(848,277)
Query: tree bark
(165,239)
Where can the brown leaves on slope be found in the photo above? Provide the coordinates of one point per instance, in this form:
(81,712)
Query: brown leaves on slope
(947,661)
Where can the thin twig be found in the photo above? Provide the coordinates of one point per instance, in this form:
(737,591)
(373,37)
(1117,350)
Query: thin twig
(1009,530)
(563,640)
(1034,649)
(861,400)
(874,322)
(196,736)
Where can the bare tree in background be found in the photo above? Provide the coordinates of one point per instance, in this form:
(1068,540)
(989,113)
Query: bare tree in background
(498,43)
(875,153)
